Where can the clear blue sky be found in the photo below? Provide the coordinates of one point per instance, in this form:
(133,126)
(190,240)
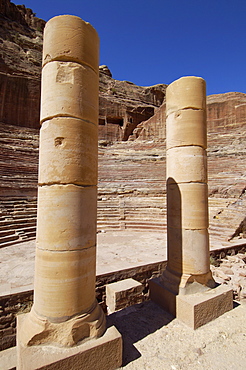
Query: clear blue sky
(157,41)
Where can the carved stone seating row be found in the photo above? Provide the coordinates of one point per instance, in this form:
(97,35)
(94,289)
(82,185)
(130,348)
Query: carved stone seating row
(17,220)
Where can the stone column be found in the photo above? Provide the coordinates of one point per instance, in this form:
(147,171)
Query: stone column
(188,267)
(65,309)
(187,191)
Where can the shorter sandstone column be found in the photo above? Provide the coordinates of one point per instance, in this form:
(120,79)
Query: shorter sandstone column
(188,268)
(187,194)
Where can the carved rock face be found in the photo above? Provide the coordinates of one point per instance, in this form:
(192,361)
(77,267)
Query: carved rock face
(20,67)
(122,105)
(104,69)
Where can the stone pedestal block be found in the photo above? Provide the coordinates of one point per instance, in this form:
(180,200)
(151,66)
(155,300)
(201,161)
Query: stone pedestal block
(123,293)
(69,90)
(194,309)
(69,38)
(104,353)
(68,152)
(187,205)
(186,164)
(198,309)
(186,127)
(186,92)
(66,217)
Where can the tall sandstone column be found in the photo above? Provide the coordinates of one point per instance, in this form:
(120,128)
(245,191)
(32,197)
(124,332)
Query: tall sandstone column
(188,267)
(65,309)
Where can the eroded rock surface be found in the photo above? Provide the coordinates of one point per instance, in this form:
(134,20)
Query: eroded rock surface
(123,105)
(226,114)
(231,271)
(20,65)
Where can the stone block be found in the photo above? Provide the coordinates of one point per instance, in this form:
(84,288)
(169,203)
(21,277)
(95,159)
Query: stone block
(68,152)
(163,296)
(123,293)
(69,90)
(186,93)
(188,250)
(195,309)
(187,205)
(65,283)
(104,353)
(70,38)
(8,358)
(66,217)
(198,309)
(186,127)
(187,164)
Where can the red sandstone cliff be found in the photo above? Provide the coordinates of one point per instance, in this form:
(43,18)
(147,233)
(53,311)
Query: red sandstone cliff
(123,105)
(20,63)
(225,114)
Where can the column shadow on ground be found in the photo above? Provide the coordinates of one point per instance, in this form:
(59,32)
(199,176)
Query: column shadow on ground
(135,323)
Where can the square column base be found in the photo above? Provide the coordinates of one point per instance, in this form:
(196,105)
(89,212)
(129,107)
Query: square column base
(104,353)
(198,309)
(195,309)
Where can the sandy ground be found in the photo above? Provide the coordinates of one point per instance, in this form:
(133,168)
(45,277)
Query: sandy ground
(154,340)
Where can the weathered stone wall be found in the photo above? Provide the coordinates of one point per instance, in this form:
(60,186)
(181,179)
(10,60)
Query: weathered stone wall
(109,132)
(19,98)
(154,128)
(20,65)
(225,114)
(10,306)
(125,104)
